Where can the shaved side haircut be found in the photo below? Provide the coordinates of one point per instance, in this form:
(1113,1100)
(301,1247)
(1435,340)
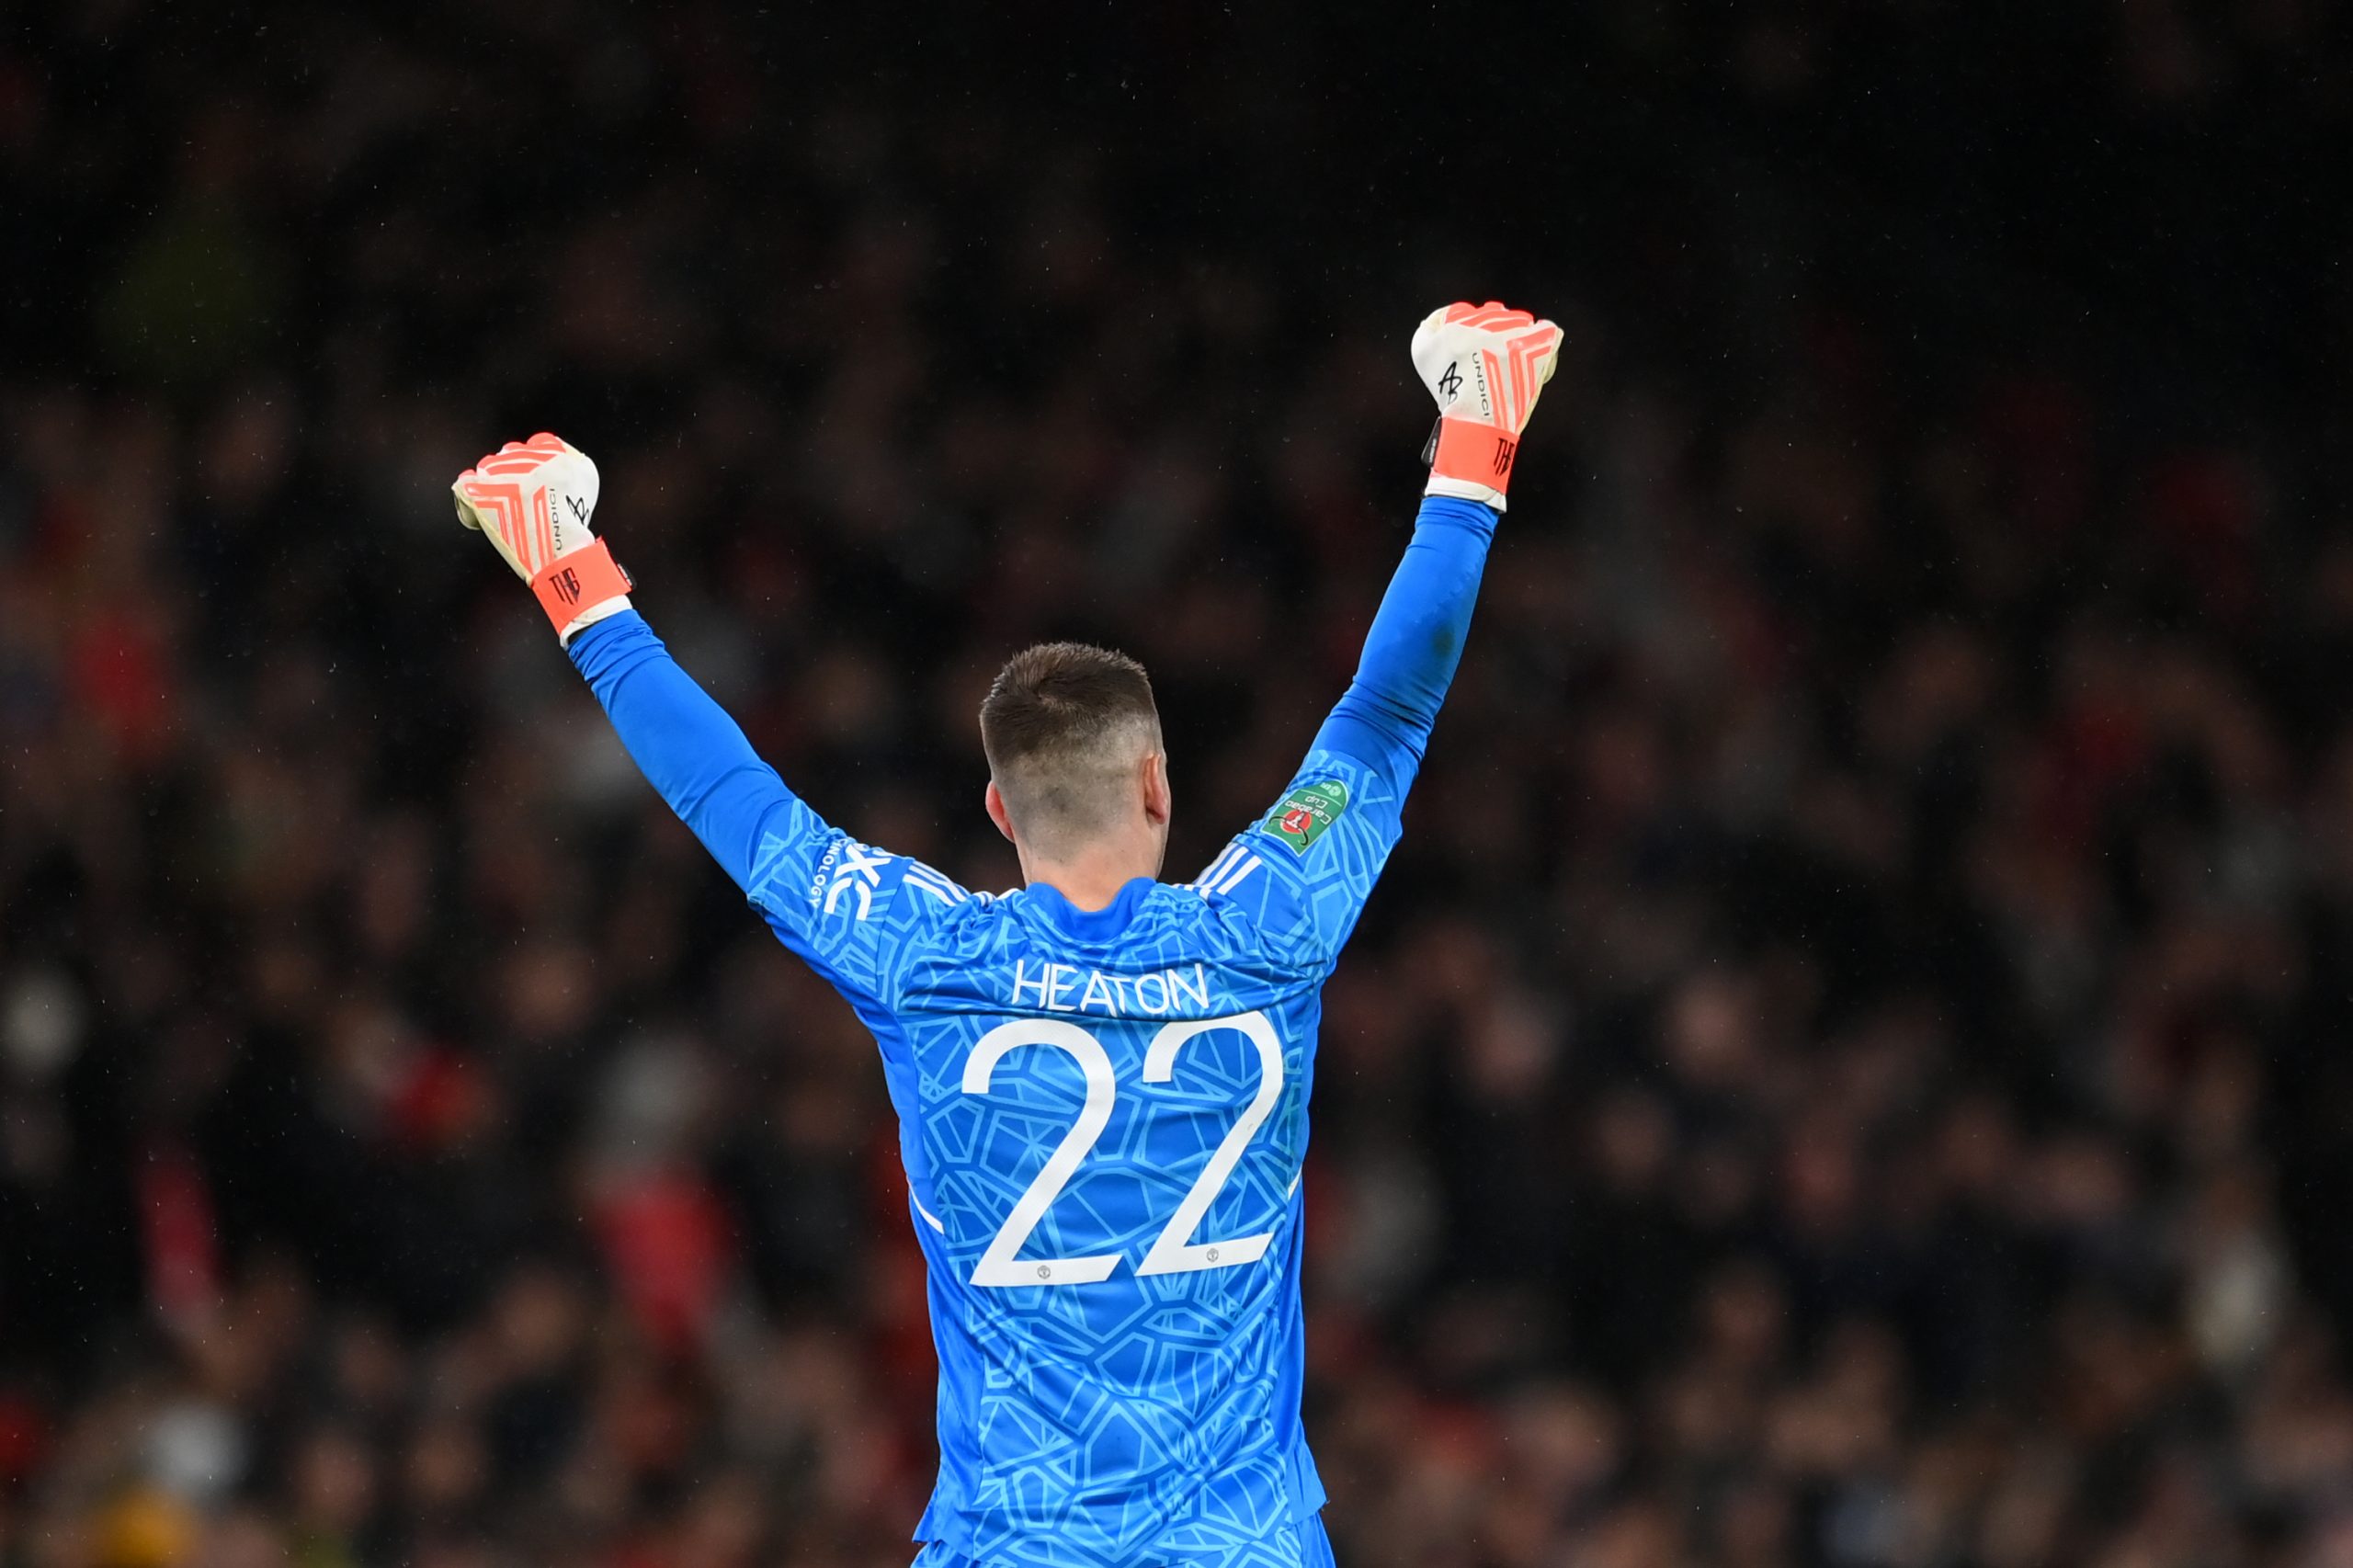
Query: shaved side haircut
(1065,726)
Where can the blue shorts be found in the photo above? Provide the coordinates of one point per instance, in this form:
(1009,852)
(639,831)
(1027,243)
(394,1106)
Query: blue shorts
(1314,1551)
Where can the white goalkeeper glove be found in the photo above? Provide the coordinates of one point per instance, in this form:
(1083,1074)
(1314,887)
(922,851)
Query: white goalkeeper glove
(534,499)
(1486,364)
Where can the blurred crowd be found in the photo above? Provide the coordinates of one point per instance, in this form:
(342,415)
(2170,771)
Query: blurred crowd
(1847,1067)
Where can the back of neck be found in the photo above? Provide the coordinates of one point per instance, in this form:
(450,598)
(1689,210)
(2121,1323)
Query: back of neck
(1091,879)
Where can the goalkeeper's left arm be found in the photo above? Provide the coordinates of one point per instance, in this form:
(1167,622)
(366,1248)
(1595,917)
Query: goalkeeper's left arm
(535,501)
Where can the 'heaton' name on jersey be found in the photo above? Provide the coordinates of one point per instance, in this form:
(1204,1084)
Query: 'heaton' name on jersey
(1065,988)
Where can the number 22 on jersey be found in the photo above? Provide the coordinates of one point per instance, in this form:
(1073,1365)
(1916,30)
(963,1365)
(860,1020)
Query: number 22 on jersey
(1174,1252)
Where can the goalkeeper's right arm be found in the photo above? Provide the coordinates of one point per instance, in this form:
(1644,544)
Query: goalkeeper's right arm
(1485,366)
(1383,720)
(1324,844)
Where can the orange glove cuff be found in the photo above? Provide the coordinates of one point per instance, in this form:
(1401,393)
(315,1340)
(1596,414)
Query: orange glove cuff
(587,577)
(1474,453)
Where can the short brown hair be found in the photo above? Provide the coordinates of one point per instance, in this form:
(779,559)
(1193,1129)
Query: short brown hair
(1063,725)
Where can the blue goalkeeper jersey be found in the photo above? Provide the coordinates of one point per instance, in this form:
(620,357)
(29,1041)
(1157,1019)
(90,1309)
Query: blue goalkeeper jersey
(1102,1113)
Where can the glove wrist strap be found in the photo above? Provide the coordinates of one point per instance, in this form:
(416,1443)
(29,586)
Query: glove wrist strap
(587,576)
(1474,453)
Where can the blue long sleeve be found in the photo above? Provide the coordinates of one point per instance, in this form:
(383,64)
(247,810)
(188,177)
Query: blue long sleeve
(690,750)
(1384,718)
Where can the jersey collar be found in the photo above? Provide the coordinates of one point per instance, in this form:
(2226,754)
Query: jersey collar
(1092,925)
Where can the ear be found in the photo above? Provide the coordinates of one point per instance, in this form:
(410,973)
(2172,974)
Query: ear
(995,802)
(1159,798)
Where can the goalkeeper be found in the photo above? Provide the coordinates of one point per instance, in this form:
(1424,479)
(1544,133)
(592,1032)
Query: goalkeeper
(1101,1080)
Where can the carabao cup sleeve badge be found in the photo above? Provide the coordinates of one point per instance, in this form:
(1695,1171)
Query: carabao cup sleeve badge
(1306,811)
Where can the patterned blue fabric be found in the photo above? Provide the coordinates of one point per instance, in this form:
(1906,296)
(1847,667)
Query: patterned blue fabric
(1103,1114)
(1312,1549)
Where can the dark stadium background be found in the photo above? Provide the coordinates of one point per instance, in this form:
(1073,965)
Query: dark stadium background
(1849,1066)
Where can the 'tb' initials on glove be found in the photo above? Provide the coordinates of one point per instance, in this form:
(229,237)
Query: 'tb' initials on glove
(1486,364)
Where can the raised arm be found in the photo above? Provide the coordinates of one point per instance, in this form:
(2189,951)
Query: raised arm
(690,750)
(827,897)
(1323,846)
(1383,720)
